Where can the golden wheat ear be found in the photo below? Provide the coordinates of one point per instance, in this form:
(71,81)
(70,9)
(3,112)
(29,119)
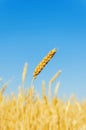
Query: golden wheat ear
(43,63)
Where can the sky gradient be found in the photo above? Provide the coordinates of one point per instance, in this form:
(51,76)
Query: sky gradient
(30,29)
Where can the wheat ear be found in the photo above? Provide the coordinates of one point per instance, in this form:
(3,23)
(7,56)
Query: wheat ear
(52,80)
(42,64)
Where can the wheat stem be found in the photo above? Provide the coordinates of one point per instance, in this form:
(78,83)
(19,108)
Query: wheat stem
(56,89)
(55,77)
(24,73)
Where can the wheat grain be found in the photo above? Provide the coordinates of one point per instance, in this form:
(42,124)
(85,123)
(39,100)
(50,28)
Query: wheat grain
(24,73)
(42,64)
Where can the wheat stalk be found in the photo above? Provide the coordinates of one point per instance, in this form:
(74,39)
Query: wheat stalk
(56,89)
(24,73)
(43,63)
(5,86)
(67,107)
(55,77)
(43,89)
(52,80)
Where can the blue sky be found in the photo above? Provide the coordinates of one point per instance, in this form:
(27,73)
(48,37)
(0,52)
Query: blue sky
(30,29)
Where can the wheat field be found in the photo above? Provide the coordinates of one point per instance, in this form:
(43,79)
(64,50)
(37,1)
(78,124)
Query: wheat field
(28,110)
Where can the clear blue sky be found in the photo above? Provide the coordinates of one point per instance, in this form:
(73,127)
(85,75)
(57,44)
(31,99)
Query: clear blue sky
(29,29)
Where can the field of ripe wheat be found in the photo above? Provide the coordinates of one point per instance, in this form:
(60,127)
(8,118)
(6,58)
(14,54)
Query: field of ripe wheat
(29,111)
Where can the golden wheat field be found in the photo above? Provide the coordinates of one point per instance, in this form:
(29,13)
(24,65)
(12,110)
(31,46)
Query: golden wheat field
(29,111)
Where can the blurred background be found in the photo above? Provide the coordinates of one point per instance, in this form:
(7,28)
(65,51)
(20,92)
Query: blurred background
(29,29)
